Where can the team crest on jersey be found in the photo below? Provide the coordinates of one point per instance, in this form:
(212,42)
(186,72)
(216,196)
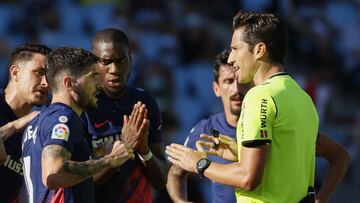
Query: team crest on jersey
(63,119)
(60,131)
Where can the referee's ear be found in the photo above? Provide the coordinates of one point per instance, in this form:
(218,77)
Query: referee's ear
(260,50)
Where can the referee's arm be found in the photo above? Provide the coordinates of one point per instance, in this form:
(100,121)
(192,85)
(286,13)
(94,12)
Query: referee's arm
(248,172)
(339,161)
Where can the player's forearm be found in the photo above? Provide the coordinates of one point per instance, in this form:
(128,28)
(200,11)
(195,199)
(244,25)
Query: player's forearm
(72,173)
(176,184)
(7,131)
(159,167)
(2,153)
(334,175)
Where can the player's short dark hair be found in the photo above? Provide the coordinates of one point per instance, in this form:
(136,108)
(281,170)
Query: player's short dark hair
(111,35)
(220,60)
(25,52)
(114,36)
(266,28)
(71,60)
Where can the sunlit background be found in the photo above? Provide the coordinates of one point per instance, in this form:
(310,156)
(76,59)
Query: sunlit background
(173,46)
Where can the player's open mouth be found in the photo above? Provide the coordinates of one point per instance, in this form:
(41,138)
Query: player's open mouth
(41,92)
(115,83)
(236,99)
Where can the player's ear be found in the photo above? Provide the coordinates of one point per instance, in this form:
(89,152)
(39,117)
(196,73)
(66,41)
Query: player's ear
(216,88)
(67,82)
(14,72)
(260,50)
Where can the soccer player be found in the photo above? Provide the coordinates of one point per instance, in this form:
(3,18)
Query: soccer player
(278,125)
(231,93)
(56,150)
(131,182)
(26,88)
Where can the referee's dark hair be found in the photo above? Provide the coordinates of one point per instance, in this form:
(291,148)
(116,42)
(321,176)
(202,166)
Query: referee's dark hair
(266,28)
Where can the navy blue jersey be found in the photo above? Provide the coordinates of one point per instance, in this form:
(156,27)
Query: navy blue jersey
(221,193)
(56,125)
(128,184)
(11,172)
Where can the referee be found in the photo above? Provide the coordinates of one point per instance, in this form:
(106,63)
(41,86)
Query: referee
(278,125)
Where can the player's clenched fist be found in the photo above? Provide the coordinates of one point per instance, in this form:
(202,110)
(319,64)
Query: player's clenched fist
(120,153)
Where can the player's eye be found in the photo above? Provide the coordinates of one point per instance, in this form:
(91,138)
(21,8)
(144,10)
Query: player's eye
(105,62)
(39,72)
(228,81)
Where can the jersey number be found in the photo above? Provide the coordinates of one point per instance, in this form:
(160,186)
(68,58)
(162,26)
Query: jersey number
(28,182)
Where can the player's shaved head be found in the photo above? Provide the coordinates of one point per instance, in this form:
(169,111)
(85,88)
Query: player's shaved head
(110,35)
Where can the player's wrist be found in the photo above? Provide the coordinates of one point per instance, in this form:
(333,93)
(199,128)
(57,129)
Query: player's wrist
(110,160)
(145,157)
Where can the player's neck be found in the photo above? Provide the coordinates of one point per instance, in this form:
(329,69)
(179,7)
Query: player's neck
(231,119)
(16,102)
(112,95)
(67,100)
(265,72)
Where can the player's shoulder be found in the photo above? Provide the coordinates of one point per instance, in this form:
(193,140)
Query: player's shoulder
(216,118)
(58,113)
(205,124)
(138,92)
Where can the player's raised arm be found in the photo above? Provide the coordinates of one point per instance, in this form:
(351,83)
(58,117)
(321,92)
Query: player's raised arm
(59,171)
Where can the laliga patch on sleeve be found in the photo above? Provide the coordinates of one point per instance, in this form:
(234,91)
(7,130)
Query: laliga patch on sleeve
(60,131)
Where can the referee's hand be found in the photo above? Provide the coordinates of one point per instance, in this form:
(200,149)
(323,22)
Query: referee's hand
(222,146)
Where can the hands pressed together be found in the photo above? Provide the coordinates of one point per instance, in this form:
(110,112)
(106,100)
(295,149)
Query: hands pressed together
(134,137)
(135,129)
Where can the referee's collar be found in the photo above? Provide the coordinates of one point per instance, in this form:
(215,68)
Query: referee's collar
(278,74)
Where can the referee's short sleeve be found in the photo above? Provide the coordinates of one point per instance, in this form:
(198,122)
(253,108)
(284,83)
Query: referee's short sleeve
(257,118)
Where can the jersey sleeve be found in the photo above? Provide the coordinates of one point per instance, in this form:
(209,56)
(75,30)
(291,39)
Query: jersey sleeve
(155,120)
(256,118)
(62,133)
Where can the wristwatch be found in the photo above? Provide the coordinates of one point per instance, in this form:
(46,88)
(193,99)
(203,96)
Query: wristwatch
(202,165)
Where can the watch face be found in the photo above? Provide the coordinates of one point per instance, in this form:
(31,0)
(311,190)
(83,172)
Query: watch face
(202,163)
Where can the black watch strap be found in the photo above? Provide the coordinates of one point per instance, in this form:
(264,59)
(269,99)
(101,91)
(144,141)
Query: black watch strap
(202,165)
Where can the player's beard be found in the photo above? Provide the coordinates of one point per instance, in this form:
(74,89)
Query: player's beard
(235,111)
(84,100)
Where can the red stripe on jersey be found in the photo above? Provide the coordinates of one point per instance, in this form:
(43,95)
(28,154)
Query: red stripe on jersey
(59,196)
(142,193)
